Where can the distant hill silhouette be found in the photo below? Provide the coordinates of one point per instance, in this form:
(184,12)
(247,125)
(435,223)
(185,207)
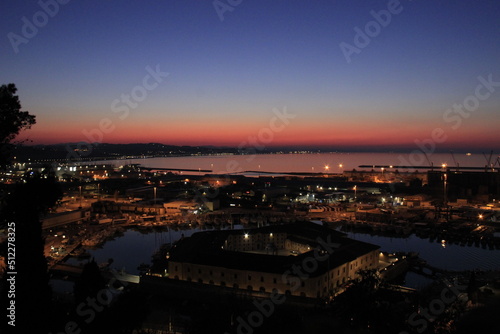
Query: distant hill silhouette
(86,151)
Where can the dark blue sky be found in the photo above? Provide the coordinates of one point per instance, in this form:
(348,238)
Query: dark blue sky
(225,77)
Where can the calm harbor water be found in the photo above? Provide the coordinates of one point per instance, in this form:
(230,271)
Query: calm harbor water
(133,248)
(137,246)
(129,251)
(441,255)
(310,162)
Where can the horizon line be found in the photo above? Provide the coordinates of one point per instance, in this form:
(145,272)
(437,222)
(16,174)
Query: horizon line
(319,148)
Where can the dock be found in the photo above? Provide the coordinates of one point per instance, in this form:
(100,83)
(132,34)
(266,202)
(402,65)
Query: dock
(74,272)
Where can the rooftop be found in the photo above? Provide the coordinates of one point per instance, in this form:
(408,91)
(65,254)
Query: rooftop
(206,248)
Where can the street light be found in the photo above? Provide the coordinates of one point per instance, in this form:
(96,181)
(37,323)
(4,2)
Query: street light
(355,189)
(445,177)
(80,188)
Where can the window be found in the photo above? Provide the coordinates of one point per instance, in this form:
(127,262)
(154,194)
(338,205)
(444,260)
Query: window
(175,268)
(302,284)
(274,280)
(222,274)
(249,277)
(211,273)
(235,275)
(262,278)
(199,271)
(188,270)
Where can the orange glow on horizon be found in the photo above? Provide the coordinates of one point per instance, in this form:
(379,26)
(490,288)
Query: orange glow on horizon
(234,133)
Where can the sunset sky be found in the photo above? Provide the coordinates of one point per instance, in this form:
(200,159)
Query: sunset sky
(225,77)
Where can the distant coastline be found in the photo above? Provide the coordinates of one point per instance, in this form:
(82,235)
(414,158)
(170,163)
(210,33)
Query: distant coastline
(81,152)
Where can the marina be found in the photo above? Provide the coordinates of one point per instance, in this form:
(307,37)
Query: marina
(133,250)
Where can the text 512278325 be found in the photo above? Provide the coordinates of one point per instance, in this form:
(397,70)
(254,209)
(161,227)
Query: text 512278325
(11,273)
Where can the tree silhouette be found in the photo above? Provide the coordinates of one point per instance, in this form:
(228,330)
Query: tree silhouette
(89,283)
(12,119)
(22,205)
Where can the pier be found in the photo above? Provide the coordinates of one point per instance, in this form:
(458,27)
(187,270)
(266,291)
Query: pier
(176,169)
(448,168)
(73,272)
(421,267)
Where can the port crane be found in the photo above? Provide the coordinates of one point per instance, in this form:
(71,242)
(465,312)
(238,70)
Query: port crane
(488,160)
(455,161)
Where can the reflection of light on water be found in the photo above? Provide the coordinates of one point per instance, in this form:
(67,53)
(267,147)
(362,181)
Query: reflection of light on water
(443,243)
(288,162)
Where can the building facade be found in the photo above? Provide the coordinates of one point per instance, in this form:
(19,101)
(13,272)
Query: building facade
(301,259)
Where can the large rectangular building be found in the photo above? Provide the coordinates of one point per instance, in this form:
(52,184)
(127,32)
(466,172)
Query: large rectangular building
(301,259)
